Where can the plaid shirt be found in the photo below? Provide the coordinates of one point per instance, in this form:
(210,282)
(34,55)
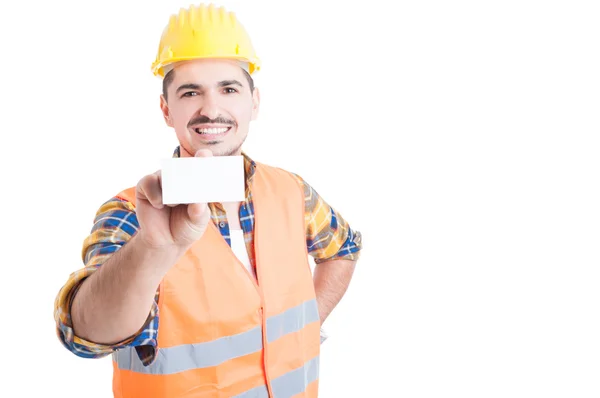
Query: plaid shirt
(328,236)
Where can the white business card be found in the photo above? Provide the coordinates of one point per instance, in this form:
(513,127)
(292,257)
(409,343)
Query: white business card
(215,179)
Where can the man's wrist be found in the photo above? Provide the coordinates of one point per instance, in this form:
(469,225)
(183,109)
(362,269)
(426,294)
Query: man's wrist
(162,250)
(161,258)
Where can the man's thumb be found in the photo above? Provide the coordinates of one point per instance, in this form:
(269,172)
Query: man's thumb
(196,212)
(203,153)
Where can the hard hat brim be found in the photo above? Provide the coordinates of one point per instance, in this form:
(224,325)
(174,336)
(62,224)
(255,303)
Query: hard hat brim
(158,69)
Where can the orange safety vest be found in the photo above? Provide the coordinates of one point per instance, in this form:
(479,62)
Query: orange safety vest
(220,333)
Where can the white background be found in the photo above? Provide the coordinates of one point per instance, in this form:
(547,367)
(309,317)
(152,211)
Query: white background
(461,139)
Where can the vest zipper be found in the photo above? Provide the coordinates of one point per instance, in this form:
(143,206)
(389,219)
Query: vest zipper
(257,286)
(263,317)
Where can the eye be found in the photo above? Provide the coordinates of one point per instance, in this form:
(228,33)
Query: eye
(189,94)
(230,90)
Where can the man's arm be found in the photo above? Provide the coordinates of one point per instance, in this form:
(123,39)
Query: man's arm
(331,279)
(114,226)
(113,303)
(334,246)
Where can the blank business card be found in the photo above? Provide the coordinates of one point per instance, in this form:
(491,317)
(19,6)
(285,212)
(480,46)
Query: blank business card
(203,180)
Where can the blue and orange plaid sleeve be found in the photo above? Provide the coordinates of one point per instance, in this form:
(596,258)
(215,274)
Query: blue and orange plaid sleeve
(328,235)
(115,223)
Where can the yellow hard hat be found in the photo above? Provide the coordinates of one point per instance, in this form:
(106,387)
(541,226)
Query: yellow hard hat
(204,32)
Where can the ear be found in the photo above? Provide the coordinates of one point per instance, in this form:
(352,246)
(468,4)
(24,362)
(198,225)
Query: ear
(255,103)
(164,107)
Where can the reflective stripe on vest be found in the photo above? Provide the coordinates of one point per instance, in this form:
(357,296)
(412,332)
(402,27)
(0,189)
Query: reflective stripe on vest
(292,383)
(202,355)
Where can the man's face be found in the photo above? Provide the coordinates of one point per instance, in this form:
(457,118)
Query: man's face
(210,105)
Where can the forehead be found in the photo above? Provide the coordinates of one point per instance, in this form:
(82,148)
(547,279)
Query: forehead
(207,71)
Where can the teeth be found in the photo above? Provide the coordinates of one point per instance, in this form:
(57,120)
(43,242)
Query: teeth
(213,130)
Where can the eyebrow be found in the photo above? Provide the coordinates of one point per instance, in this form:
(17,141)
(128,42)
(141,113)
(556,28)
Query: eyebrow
(188,86)
(225,83)
(194,86)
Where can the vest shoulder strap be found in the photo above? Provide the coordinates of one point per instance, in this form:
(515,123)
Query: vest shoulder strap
(127,195)
(278,175)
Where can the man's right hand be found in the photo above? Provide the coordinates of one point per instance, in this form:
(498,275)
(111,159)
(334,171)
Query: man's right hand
(113,303)
(163,226)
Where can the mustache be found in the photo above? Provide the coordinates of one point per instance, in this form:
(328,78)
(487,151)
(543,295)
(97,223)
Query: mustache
(204,119)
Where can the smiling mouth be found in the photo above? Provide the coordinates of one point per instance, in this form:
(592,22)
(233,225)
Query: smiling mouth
(212,130)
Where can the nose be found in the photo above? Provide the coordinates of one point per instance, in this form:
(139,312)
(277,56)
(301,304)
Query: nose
(210,106)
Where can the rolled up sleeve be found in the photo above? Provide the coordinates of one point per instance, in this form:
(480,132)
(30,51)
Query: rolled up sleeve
(114,225)
(328,234)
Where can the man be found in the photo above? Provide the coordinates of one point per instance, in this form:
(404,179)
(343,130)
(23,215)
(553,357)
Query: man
(209,300)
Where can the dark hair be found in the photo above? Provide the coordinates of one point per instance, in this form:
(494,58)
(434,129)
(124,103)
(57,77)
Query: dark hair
(169,77)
